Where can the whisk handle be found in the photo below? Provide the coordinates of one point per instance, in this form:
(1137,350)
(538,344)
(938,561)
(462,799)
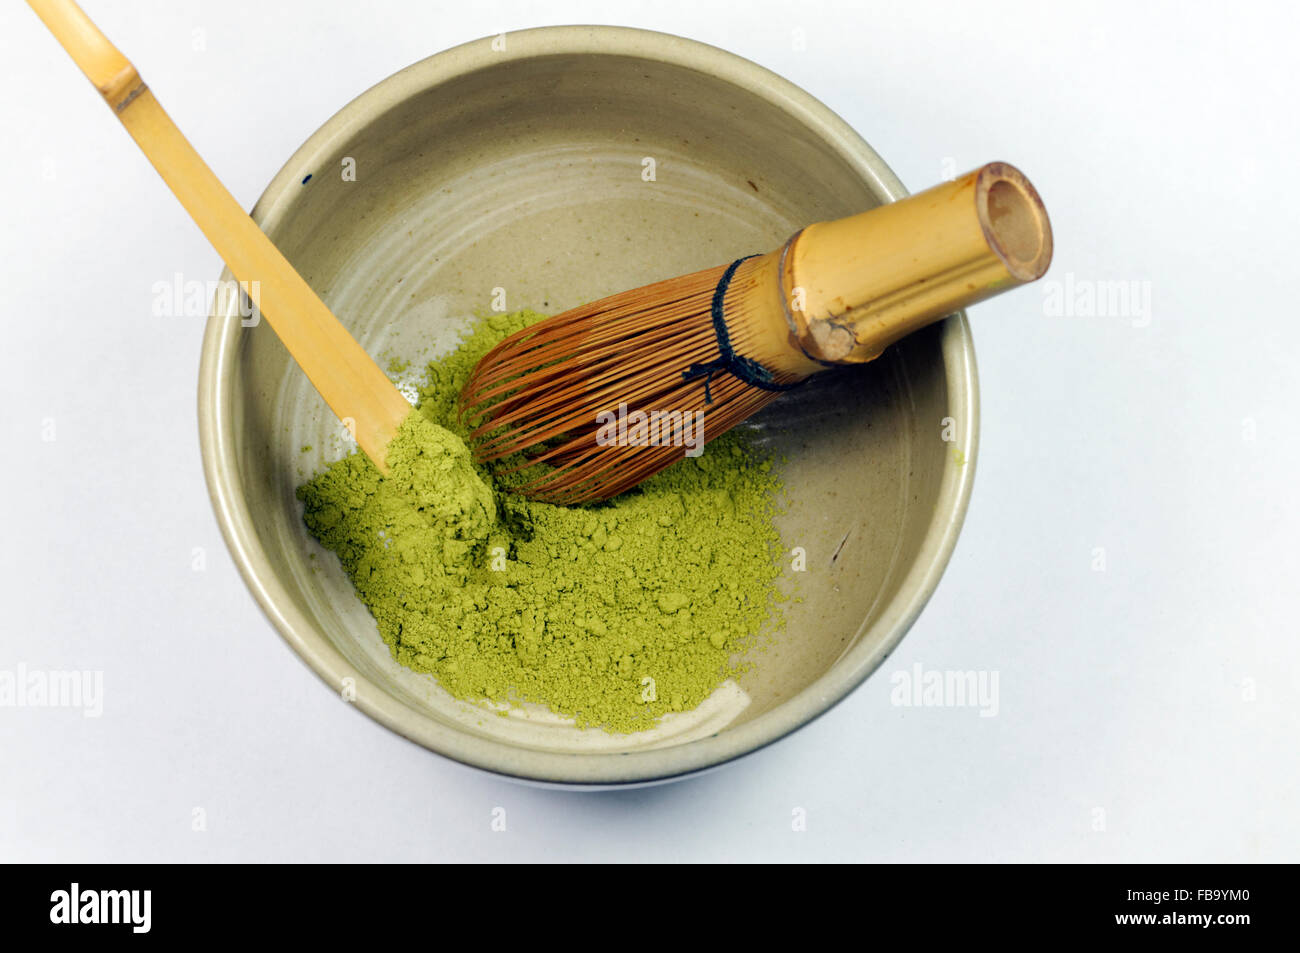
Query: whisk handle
(858,284)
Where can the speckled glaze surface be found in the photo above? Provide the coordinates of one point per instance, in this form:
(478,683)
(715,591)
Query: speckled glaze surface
(521,169)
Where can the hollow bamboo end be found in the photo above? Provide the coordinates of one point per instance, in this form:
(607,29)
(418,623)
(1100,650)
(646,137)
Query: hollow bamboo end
(1014,220)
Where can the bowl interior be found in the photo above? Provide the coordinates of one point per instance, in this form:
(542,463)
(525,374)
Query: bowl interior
(532,178)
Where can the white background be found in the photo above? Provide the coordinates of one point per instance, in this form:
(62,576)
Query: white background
(1160,692)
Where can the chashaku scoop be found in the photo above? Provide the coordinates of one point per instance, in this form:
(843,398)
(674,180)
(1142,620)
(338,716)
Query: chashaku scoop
(353,385)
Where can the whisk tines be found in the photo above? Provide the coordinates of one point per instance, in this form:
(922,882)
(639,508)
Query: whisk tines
(595,400)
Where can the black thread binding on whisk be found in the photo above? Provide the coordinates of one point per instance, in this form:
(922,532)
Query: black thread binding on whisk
(747,369)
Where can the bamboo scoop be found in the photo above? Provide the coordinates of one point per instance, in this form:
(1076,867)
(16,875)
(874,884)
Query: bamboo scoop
(345,375)
(712,348)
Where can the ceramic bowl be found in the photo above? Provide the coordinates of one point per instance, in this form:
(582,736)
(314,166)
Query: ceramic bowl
(551,168)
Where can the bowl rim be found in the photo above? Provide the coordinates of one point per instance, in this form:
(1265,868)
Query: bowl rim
(599,769)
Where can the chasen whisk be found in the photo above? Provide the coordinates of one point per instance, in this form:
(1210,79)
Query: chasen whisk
(601,397)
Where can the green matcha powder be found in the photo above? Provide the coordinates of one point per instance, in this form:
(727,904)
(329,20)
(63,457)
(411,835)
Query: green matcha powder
(614,613)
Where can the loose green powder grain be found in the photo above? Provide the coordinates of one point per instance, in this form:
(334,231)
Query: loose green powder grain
(614,613)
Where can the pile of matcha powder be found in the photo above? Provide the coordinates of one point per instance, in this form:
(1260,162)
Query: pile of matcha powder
(613,613)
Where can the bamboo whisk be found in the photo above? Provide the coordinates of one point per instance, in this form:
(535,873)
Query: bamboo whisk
(724,342)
